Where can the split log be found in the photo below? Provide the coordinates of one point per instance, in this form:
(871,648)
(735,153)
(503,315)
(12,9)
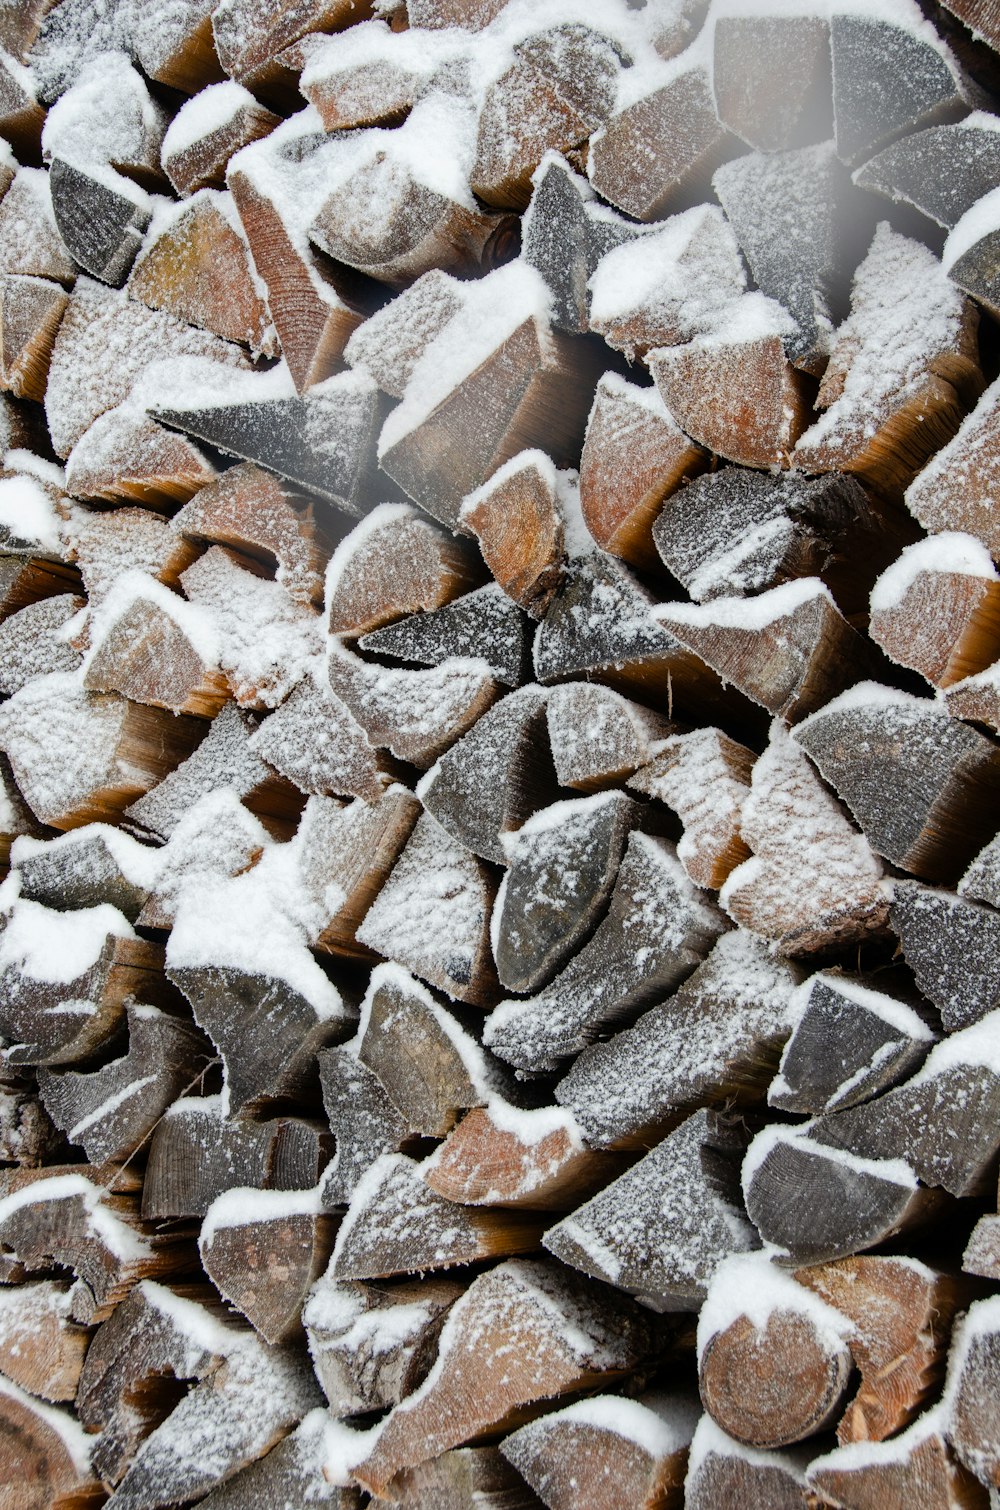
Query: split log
(598,738)
(263,1251)
(970,253)
(803,906)
(321,441)
(954,490)
(943,776)
(481,625)
(35,642)
(215,839)
(497,373)
(705,777)
(102,218)
(466,1475)
(606,1451)
(613,976)
(249,37)
(111,1111)
(523,1308)
(393,564)
(197,1153)
(108,543)
(365,1122)
(950,945)
(976,698)
(415,714)
(634,457)
(390,343)
(725,1475)
(157,1340)
(345,852)
(21,115)
(970,1397)
(125,457)
(850,1041)
(107,123)
(435,14)
(942,171)
(372,1345)
(981,881)
(638,1234)
(916,1470)
(196,266)
(252,511)
(41,1348)
(28,579)
(518,518)
(396,1224)
(369,76)
(154,648)
(982,1253)
(176,47)
(223,759)
(82,757)
(489,782)
(771,77)
(207,132)
(294,1470)
(662,144)
(27,1137)
(884,432)
(16,818)
(46,1456)
(314,740)
(30,312)
(559,88)
(732,388)
(937,609)
(980,16)
(30,243)
(715,1042)
(563,864)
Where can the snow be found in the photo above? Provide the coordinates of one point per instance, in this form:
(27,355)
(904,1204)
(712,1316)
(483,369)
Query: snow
(77,1442)
(659,1425)
(101,1222)
(194,1322)
(241,1206)
(209,110)
(751,1285)
(855,1456)
(751,614)
(109,116)
(29,517)
(710,1440)
(950,551)
(45,945)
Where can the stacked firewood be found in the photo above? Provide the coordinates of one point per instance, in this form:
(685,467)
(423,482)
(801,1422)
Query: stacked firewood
(499,780)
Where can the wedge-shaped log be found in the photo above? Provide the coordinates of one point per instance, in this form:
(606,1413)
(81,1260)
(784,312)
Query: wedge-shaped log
(955,488)
(295,1469)
(943,170)
(27,579)
(365,1122)
(322,441)
(314,740)
(34,642)
(635,455)
(390,343)
(46,1454)
(950,945)
(108,122)
(394,564)
(16,818)
(771,76)
(396,1224)
(606,1451)
(41,1348)
(944,777)
(639,1233)
(613,975)
(197,1153)
(976,699)
(850,1041)
(216,838)
(598,737)
(127,458)
(517,518)
(705,777)
(176,46)
(30,312)
(982,1253)
(109,543)
(475,1389)
(482,625)
(452,1480)
(969,255)
(715,1042)
(249,36)
(981,881)
(970,1397)
(21,115)
(725,1475)
(372,76)
(915,1469)
(154,648)
(207,131)
(111,1111)
(30,243)
(884,429)
(371,1344)
(937,609)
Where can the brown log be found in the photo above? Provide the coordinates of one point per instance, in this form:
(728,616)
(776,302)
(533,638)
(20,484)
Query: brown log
(634,457)
(705,777)
(127,457)
(194,158)
(725,1475)
(953,490)
(476,1388)
(19,26)
(27,1137)
(915,1469)
(30,312)
(375,83)
(517,519)
(30,243)
(177,47)
(249,37)
(41,1348)
(155,649)
(771,78)
(938,609)
(28,579)
(46,1456)
(314,740)
(107,543)
(294,1470)
(981,18)
(21,115)
(33,641)
(390,343)
(598,737)
(466,1475)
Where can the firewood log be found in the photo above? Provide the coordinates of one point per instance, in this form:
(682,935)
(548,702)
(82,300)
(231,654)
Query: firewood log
(725,1475)
(464,1476)
(215,839)
(263,1251)
(715,1042)
(639,1233)
(660,144)
(598,737)
(612,977)
(111,1111)
(849,1042)
(915,1469)
(953,491)
(28,579)
(249,36)
(223,759)
(394,564)
(196,265)
(969,1399)
(430,1067)
(481,625)
(321,442)
(559,88)
(475,1388)
(949,943)
(885,431)
(365,1122)
(27,1137)
(30,243)
(970,251)
(30,312)
(252,511)
(981,19)
(20,25)
(16,818)
(126,457)
(635,456)
(606,1452)
(41,1348)
(315,741)
(21,115)
(108,543)
(156,649)
(975,699)
(771,76)
(389,344)
(210,130)
(942,170)
(102,218)
(197,1153)
(937,609)
(46,1456)
(519,522)
(107,124)
(157,1337)
(940,772)
(371,75)
(981,881)
(705,777)
(435,14)
(175,46)
(34,641)
(66,43)
(294,1470)
(982,1253)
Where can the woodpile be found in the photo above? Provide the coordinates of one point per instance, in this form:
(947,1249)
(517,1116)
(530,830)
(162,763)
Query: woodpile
(499,765)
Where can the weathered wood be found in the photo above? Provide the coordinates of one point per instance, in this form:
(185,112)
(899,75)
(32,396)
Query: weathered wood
(126,457)
(21,115)
(27,1137)
(954,490)
(194,158)
(715,1042)
(640,1233)
(943,776)
(937,609)
(481,625)
(915,1469)
(294,1470)
(610,978)
(599,737)
(34,641)
(726,1475)
(606,1452)
(365,1122)
(249,37)
(705,777)
(517,519)
(176,46)
(980,16)
(970,1395)
(943,170)
(522,1307)
(156,649)
(372,77)
(46,1456)
(969,256)
(635,456)
(982,1253)
(771,77)
(16,818)
(30,243)
(215,840)
(102,218)
(30,312)
(28,579)
(41,1347)
(464,1476)
(950,945)
(108,543)
(314,740)
(390,342)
